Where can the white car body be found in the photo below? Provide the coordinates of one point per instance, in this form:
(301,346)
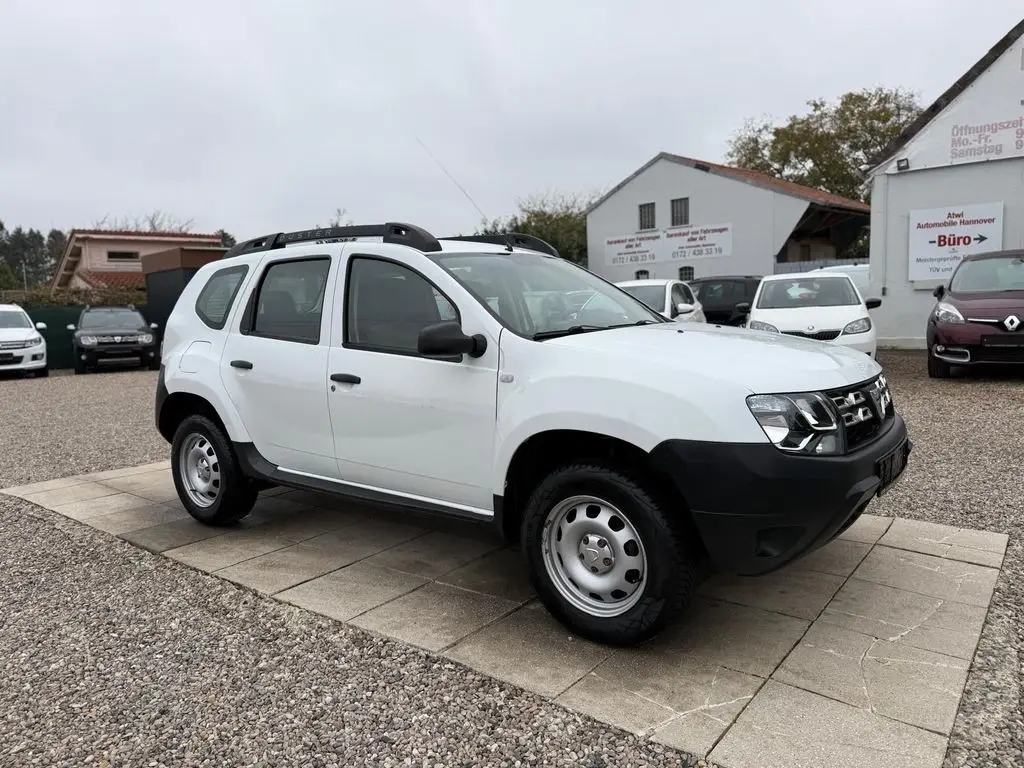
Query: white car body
(481,420)
(22,346)
(845,324)
(674,299)
(859,273)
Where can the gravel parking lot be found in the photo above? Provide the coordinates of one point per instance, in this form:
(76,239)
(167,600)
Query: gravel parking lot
(181,668)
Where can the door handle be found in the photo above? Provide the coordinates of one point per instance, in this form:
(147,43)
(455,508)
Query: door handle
(244,364)
(345,378)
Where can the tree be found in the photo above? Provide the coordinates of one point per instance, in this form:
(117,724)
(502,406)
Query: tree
(226,238)
(8,280)
(826,147)
(25,254)
(557,218)
(157,221)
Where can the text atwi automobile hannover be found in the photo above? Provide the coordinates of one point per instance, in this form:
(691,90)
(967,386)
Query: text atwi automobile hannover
(618,448)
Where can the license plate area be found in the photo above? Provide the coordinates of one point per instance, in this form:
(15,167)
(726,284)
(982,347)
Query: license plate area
(891,466)
(1004,341)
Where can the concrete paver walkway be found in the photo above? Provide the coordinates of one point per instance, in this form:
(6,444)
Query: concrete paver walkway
(856,656)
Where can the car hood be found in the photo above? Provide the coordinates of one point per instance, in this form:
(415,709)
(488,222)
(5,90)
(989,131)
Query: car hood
(803,318)
(760,362)
(997,302)
(17,334)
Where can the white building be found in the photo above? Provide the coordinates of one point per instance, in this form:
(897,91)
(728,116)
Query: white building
(950,185)
(677,216)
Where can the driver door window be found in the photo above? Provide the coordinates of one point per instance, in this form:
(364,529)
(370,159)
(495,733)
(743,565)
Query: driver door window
(679,295)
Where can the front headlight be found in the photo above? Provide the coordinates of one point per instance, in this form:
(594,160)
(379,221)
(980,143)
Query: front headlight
(798,423)
(146,338)
(757,325)
(35,341)
(947,313)
(87,341)
(858,326)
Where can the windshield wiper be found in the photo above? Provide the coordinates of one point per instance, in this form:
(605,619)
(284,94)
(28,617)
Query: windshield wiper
(574,329)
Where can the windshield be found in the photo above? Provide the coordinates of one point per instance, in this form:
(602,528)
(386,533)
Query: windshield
(807,292)
(112,318)
(12,319)
(989,275)
(536,294)
(651,295)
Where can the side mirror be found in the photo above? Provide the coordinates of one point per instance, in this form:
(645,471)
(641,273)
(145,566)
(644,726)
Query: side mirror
(71,326)
(40,326)
(154,326)
(447,340)
(682,308)
(873,303)
(939,292)
(743,308)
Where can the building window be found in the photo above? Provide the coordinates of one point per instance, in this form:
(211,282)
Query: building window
(646,215)
(122,255)
(686,273)
(681,212)
(805,252)
(642,274)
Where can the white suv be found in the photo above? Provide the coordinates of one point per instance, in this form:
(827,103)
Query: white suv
(22,347)
(618,448)
(672,298)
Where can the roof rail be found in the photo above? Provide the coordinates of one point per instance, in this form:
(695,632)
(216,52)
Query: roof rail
(392,232)
(510,241)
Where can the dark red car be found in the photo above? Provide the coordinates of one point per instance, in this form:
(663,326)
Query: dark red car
(979,316)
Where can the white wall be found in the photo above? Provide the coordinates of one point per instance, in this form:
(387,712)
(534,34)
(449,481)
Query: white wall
(905,306)
(761,220)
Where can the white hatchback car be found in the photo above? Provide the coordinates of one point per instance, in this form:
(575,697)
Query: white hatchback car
(672,298)
(819,305)
(22,347)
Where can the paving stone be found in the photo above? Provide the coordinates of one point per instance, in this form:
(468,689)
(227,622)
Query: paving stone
(284,568)
(701,697)
(232,547)
(160,538)
(433,554)
(102,505)
(786,727)
(981,547)
(127,520)
(733,636)
(435,616)
(156,486)
(357,542)
(502,573)
(910,618)
(22,491)
(791,591)
(608,703)
(529,648)
(929,575)
(868,529)
(916,687)
(304,522)
(839,557)
(128,471)
(69,494)
(352,590)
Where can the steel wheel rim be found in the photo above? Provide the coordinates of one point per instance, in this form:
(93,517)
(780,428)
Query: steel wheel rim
(199,469)
(594,556)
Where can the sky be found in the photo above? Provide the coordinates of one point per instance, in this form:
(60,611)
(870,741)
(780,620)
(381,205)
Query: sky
(259,116)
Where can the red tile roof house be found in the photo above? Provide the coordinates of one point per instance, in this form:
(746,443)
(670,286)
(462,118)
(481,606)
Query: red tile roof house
(97,258)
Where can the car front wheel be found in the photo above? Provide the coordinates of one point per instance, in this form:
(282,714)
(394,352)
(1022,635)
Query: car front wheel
(209,482)
(606,557)
(938,369)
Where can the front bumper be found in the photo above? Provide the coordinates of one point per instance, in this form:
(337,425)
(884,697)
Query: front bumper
(975,344)
(117,354)
(26,359)
(757,509)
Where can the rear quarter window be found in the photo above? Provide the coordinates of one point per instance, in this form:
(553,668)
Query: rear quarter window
(215,299)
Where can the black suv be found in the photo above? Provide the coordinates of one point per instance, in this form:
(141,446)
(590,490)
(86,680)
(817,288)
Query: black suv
(723,298)
(114,335)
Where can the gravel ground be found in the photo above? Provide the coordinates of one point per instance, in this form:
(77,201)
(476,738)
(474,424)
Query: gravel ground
(68,425)
(966,470)
(182,668)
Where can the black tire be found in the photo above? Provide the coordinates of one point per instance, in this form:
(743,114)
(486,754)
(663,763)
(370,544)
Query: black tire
(235,494)
(938,369)
(671,561)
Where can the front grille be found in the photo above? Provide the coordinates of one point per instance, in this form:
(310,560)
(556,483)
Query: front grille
(117,339)
(1001,354)
(864,411)
(15,344)
(817,336)
(10,361)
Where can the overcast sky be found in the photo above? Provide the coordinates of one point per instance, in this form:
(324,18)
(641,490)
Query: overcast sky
(262,115)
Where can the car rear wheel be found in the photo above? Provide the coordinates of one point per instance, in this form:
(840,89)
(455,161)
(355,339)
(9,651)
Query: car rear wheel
(938,369)
(605,556)
(207,477)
